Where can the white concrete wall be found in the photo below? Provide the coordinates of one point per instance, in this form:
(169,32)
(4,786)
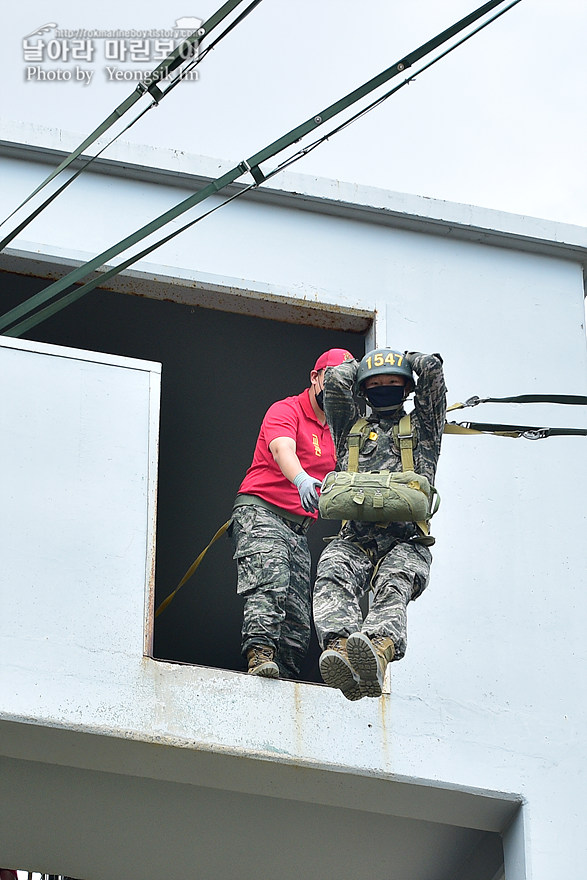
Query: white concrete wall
(79,463)
(296,244)
(489,695)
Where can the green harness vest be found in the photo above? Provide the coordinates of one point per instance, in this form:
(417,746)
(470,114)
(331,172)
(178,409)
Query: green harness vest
(380,496)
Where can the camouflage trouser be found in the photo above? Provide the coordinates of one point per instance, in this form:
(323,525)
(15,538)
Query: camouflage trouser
(273,564)
(344,575)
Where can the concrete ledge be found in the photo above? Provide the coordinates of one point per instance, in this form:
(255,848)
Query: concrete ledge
(178,284)
(160,758)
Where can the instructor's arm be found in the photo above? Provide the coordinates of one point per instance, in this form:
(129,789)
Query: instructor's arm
(283,450)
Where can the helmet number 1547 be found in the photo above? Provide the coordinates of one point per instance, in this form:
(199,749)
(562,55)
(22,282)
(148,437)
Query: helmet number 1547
(378,360)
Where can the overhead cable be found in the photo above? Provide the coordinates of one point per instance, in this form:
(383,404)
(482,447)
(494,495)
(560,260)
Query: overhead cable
(251,165)
(187,54)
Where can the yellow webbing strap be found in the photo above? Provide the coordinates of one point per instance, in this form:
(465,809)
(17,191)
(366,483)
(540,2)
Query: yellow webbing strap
(530,432)
(354,442)
(405,439)
(191,569)
(454,428)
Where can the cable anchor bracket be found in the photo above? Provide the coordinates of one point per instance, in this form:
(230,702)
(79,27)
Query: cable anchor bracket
(254,171)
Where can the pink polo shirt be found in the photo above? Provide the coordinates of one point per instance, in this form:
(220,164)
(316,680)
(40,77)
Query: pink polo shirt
(292,417)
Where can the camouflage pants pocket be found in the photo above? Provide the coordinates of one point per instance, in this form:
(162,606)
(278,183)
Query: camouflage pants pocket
(255,566)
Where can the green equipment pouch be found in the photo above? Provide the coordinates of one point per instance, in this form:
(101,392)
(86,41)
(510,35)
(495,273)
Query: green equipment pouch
(379,496)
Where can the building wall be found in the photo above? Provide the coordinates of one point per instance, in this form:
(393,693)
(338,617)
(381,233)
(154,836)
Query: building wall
(488,697)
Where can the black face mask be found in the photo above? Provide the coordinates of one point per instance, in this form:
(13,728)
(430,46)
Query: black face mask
(385,397)
(320,399)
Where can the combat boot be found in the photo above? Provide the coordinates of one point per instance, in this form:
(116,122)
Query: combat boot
(336,670)
(369,659)
(260,660)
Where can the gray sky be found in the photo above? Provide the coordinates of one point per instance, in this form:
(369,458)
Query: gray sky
(500,123)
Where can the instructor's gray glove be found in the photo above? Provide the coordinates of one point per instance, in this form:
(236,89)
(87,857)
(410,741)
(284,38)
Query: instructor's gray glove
(307,486)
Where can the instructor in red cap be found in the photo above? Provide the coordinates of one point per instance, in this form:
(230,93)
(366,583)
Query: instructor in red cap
(275,504)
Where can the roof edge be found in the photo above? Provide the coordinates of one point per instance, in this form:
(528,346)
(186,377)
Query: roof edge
(27,142)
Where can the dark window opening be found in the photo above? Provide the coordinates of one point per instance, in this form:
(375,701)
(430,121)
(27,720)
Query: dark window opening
(220,372)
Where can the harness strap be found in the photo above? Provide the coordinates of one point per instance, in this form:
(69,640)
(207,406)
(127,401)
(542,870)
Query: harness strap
(405,439)
(528,431)
(567,399)
(355,440)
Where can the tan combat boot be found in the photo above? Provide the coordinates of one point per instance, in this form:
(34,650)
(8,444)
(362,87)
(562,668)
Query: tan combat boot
(336,670)
(369,659)
(260,660)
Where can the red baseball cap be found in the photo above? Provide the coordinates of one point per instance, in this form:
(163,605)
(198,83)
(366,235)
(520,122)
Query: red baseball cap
(333,358)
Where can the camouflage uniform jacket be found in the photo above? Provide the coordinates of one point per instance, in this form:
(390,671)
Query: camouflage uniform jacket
(381,453)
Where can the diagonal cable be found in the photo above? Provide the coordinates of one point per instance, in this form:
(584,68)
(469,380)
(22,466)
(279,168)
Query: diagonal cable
(69,298)
(409,79)
(251,165)
(179,56)
(87,161)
